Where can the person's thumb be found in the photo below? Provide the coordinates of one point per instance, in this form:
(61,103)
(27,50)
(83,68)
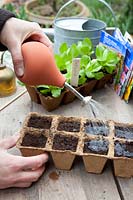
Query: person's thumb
(10,142)
(17,60)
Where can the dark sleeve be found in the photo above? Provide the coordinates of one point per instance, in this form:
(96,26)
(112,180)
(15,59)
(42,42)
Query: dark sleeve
(4,16)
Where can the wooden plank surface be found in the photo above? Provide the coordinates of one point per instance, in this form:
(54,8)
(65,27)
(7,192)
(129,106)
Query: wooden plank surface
(126,187)
(75,184)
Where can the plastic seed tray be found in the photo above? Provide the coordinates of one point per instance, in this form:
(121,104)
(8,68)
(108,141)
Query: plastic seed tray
(67,137)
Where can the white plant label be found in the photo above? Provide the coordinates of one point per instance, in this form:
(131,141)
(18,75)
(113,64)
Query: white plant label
(75,72)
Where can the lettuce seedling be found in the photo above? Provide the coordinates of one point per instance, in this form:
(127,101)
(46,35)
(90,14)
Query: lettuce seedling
(105,62)
(49,90)
(83,49)
(107,58)
(93,70)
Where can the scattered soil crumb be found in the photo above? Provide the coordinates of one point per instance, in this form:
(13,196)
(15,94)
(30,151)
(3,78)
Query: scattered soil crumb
(54,176)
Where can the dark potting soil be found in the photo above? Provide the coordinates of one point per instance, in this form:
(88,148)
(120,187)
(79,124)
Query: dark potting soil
(34,140)
(123,149)
(62,142)
(70,126)
(40,122)
(124,132)
(96,128)
(96,146)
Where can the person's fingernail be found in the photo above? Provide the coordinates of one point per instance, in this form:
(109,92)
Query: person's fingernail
(20,71)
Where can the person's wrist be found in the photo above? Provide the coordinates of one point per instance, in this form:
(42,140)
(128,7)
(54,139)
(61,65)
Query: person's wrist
(7,25)
(5,15)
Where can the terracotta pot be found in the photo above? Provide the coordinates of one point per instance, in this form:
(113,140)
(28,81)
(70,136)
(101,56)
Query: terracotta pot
(7,1)
(49,20)
(40,62)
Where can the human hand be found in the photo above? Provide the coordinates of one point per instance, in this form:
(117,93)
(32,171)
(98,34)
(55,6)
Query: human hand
(14,33)
(18,171)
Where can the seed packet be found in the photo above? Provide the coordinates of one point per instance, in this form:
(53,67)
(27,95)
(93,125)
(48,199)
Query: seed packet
(118,46)
(128,38)
(129,90)
(126,72)
(113,43)
(123,81)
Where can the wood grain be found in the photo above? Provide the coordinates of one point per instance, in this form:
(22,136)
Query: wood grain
(75,184)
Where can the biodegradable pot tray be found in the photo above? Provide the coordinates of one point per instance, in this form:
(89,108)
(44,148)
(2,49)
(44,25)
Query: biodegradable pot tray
(67,137)
(50,103)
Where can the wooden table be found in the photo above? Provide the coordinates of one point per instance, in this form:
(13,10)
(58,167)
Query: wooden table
(75,184)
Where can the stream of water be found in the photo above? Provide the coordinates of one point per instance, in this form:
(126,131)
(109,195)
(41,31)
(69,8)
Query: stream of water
(91,106)
(95,109)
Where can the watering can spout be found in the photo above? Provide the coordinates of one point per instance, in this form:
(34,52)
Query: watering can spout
(40,66)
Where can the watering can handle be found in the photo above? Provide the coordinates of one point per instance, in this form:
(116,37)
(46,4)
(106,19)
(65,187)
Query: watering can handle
(104,2)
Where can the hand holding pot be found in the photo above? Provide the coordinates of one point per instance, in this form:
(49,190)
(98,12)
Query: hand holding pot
(14,33)
(18,171)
